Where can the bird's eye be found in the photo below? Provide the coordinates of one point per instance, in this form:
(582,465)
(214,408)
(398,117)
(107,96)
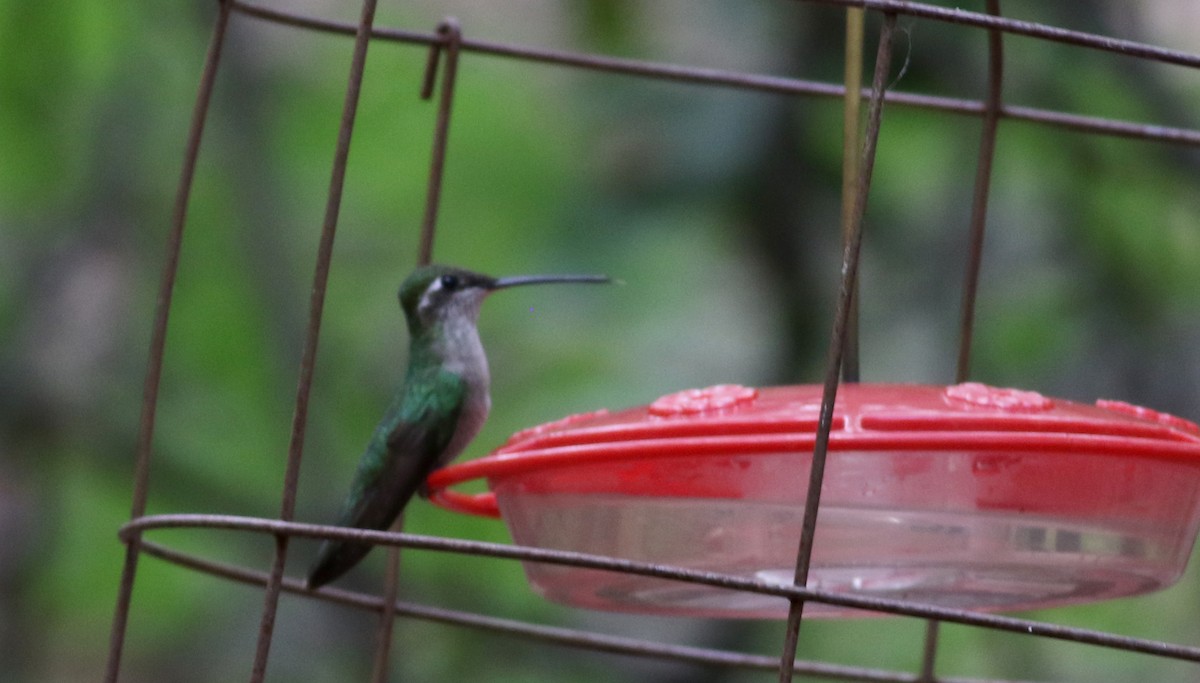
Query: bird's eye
(449,282)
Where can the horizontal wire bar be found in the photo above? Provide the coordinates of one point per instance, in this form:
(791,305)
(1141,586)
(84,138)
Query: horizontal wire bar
(756,82)
(549,634)
(1031,29)
(717,580)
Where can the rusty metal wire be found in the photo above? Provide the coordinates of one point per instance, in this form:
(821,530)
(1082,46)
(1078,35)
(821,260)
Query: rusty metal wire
(546,634)
(445,44)
(836,357)
(312,335)
(1026,28)
(795,86)
(158,339)
(716,580)
(983,180)
(450,43)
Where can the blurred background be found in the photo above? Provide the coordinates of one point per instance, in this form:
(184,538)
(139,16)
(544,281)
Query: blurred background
(718,208)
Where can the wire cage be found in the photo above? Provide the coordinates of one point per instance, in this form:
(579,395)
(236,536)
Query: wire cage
(445,45)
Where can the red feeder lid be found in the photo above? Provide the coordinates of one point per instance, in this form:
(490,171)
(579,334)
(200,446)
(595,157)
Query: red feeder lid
(733,419)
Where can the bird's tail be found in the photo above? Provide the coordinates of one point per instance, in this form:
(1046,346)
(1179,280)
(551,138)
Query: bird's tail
(375,502)
(334,559)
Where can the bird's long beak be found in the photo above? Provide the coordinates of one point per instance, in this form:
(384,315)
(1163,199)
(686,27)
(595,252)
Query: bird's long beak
(519,280)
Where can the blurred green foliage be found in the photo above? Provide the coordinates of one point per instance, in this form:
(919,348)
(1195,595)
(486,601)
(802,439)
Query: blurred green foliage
(717,208)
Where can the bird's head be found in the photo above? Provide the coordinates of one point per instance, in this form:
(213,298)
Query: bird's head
(438,293)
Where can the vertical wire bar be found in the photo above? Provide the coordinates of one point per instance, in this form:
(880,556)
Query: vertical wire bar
(387,613)
(851,148)
(929,656)
(158,338)
(850,258)
(308,360)
(451,34)
(983,180)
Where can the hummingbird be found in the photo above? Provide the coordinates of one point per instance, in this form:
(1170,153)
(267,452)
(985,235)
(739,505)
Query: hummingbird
(439,408)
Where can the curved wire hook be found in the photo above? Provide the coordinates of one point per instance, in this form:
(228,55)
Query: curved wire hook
(449,41)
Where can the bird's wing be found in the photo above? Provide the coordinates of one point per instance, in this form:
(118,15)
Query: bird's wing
(403,451)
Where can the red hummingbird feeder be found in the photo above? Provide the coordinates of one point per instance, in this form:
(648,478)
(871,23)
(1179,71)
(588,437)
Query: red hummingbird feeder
(965,496)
